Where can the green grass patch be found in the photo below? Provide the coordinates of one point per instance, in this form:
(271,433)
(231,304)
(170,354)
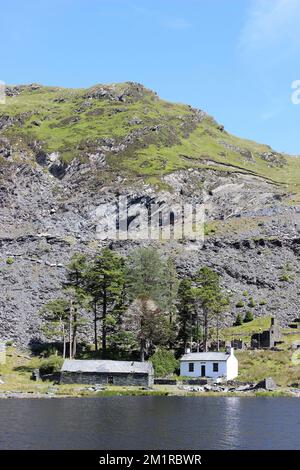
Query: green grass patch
(245,330)
(257,365)
(167,136)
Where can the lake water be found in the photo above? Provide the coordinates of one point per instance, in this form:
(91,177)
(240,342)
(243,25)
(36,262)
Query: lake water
(150,423)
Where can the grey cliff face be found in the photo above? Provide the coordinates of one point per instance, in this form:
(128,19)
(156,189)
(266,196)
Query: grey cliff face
(47,214)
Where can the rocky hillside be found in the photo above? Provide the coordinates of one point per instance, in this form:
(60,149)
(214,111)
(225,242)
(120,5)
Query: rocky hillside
(65,153)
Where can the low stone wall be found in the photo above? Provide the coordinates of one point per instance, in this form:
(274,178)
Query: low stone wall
(143,380)
(55,377)
(195,381)
(165,381)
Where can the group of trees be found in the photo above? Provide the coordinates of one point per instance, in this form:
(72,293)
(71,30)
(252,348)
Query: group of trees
(133,304)
(201,304)
(240,320)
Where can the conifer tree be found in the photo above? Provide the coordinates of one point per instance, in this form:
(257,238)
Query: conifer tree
(77,295)
(209,299)
(55,317)
(152,288)
(186,313)
(238,320)
(248,317)
(105,279)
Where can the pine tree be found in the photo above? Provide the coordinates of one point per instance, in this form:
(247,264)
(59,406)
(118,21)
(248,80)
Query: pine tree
(76,270)
(148,324)
(55,317)
(248,317)
(171,282)
(77,295)
(77,301)
(60,320)
(209,299)
(152,287)
(105,279)
(146,276)
(186,313)
(238,320)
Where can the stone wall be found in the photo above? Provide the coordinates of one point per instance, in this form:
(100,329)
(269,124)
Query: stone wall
(267,338)
(195,381)
(134,379)
(165,381)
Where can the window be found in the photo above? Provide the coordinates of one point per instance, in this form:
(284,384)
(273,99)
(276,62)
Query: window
(191,367)
(215,367)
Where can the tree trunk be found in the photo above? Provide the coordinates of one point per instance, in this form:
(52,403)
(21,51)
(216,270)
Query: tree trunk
(95,327)
(74,339)
(142,338)
(171,321)
(197,327)
(142,350)
(205,332)
(218,336)
(191,339)
(185,335)
(64,347)
(70,329)
(64,340)
(104,312)
(74,345)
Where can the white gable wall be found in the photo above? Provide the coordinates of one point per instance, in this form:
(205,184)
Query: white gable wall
(232,367)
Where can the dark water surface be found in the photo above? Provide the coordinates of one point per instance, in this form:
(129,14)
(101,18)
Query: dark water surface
(150,423)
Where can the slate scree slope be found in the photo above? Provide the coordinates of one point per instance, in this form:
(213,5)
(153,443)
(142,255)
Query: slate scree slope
(66,154)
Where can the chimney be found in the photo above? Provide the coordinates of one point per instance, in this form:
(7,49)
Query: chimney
(230,351)
(187,351)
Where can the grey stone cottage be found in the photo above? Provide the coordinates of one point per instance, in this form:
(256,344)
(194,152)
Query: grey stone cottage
(107,372)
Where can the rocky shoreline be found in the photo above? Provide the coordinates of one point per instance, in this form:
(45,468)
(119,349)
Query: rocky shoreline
(178,392)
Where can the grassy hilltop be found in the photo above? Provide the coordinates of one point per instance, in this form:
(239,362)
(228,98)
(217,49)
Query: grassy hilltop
(140,134)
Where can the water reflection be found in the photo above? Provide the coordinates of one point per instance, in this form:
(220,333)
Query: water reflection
(232,417)
(151,423)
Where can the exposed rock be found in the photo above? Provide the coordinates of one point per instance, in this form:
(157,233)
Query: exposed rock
(42,228)
(35,375)
(267,384)
(52,206)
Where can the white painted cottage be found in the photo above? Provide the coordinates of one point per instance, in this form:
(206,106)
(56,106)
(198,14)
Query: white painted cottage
(209,364)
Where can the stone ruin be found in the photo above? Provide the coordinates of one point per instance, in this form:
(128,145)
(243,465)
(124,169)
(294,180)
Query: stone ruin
(267,339)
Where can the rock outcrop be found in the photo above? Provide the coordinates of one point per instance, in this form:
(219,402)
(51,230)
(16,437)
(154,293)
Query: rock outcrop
(52,206)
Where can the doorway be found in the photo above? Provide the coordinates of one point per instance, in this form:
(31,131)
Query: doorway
(203,373)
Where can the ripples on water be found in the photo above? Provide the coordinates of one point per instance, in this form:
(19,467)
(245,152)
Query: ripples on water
(150,423)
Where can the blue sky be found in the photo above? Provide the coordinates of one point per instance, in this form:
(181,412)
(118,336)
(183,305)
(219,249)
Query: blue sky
(236,59)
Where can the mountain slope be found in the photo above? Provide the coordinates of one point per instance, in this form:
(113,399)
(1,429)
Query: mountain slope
(65,154)
(128,129)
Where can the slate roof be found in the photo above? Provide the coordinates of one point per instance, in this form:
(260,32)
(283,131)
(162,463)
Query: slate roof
(205,356)
(125,367)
